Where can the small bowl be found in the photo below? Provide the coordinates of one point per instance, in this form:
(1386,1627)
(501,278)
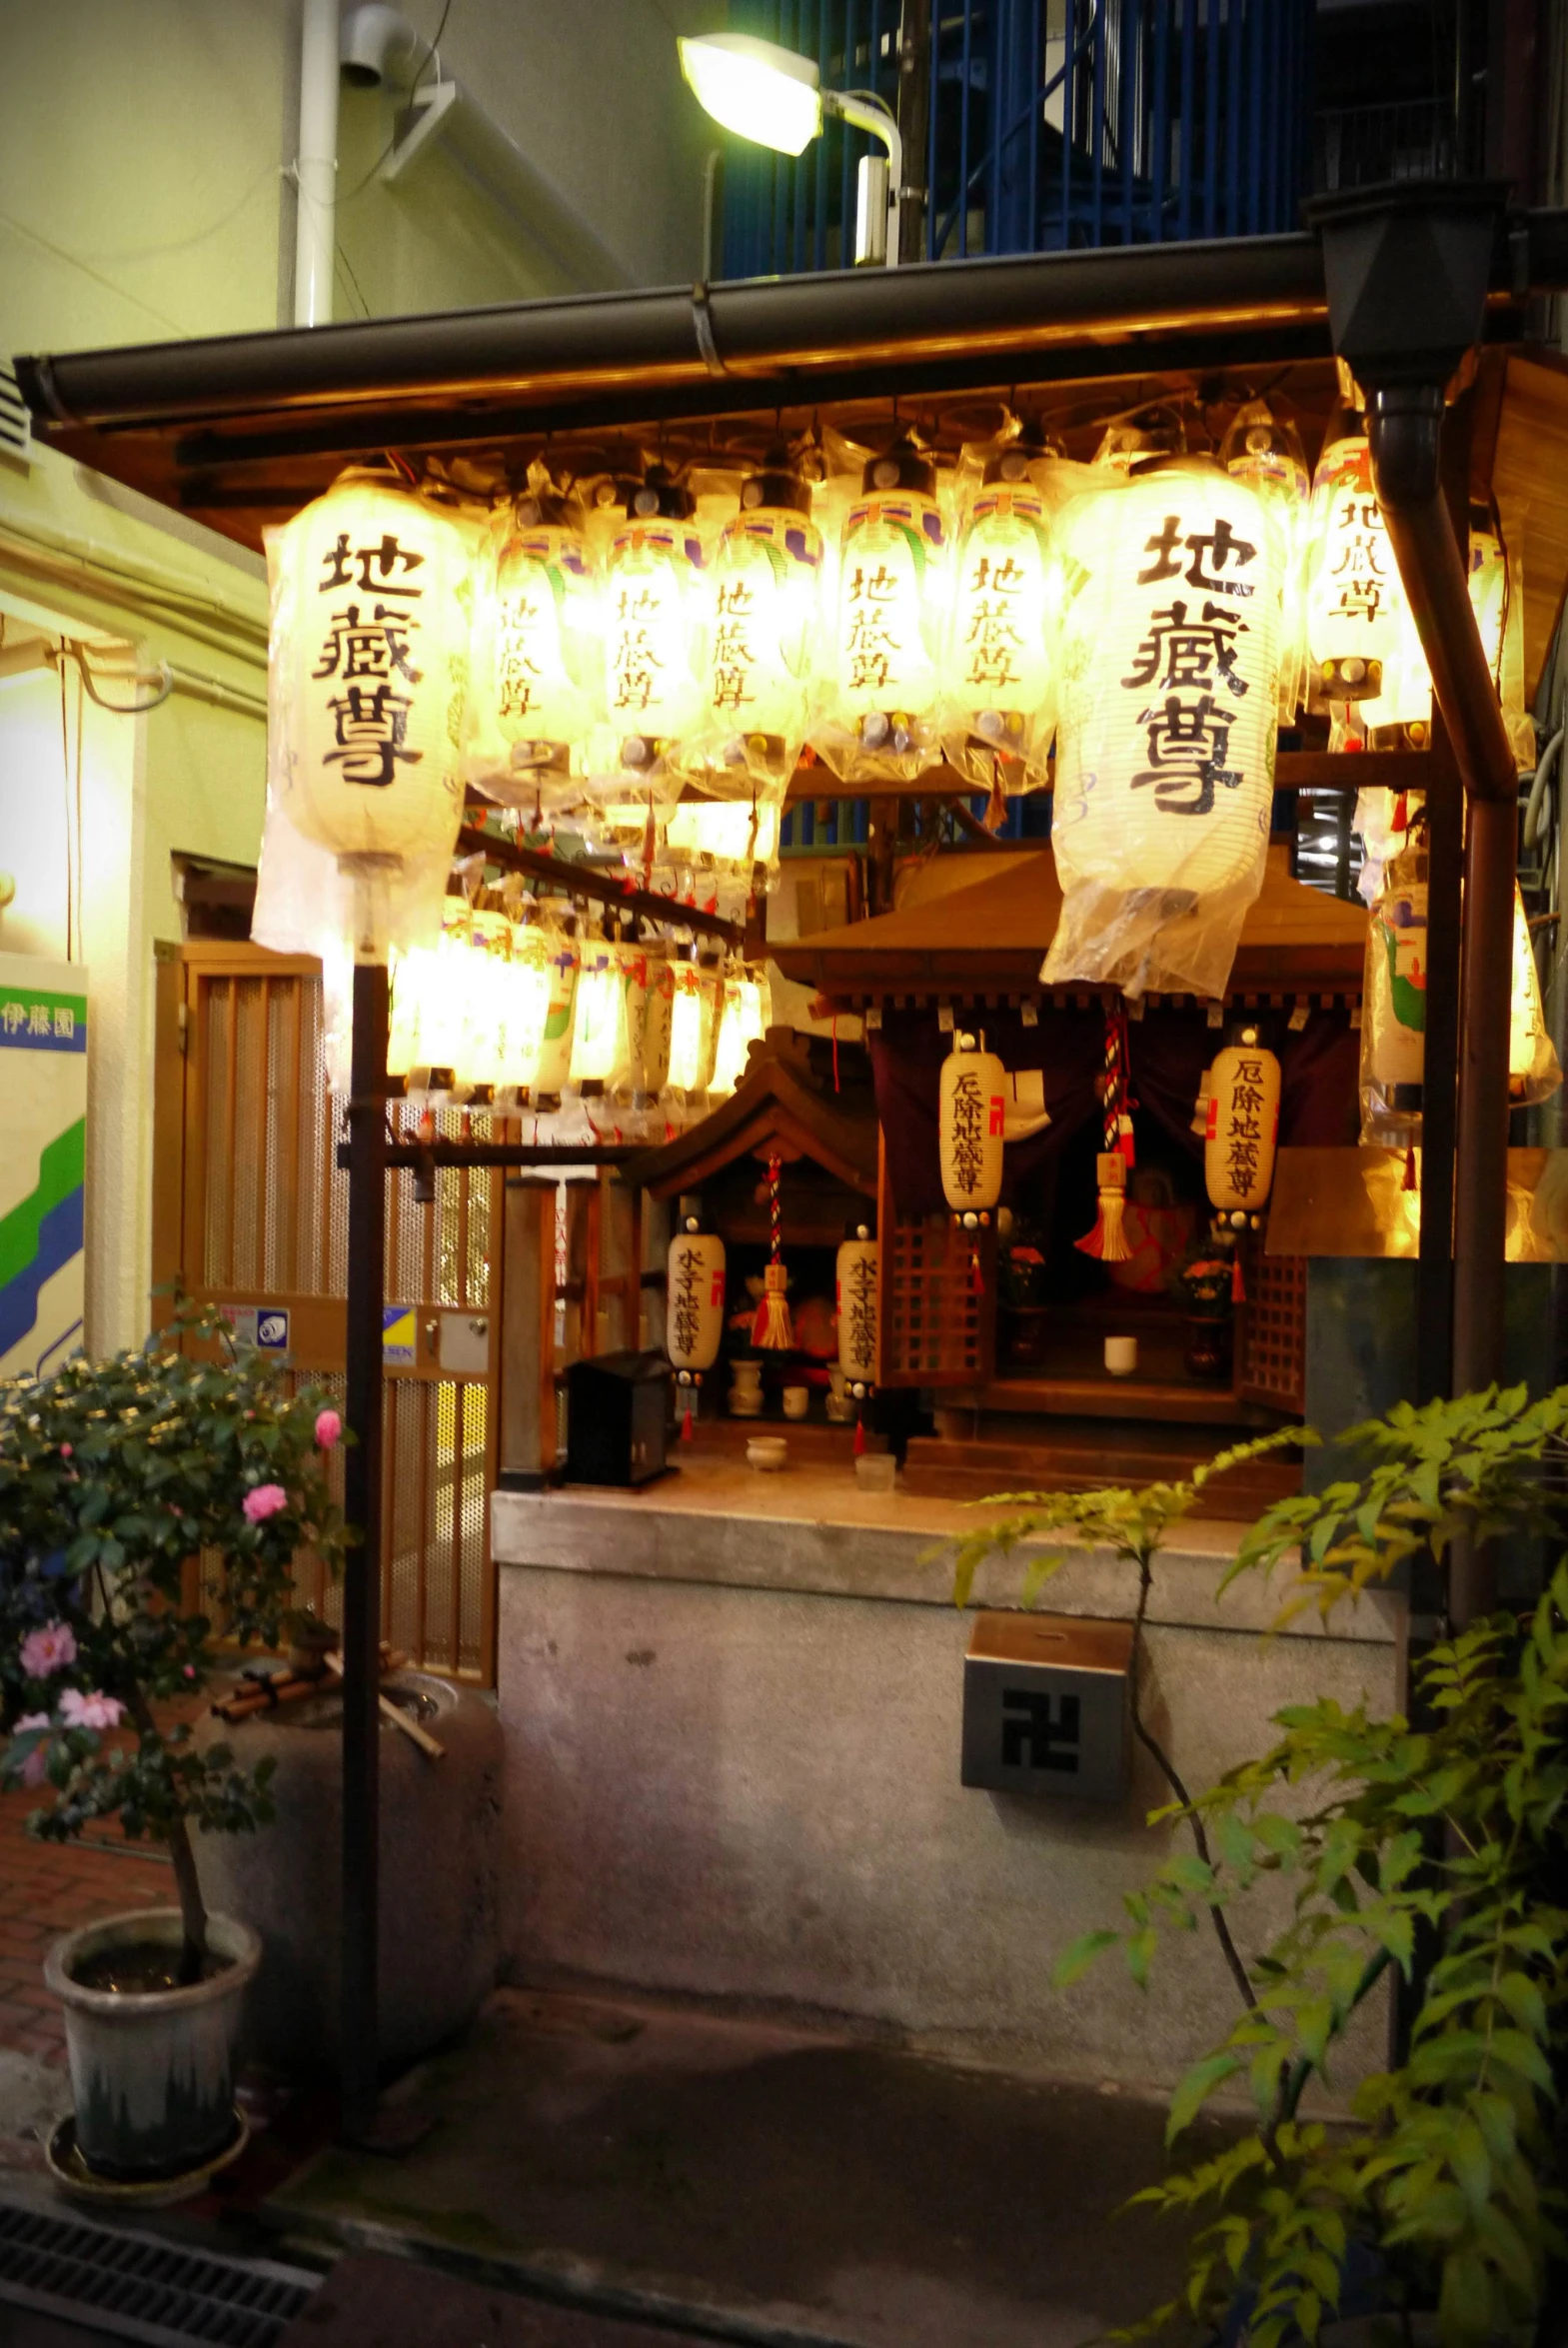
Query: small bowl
(768,1453)
(797,1402)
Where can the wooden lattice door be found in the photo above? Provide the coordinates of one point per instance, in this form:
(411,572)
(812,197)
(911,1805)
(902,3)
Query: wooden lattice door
(1271,1364)
(937,1311)
(250,1215)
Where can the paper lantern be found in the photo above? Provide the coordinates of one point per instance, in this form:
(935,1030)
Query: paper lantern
(654,588)
(857,1280)
(1533,1070)
(428,1039)
(537,633)
(694,1301)
(763,612)
(1264,451)
(1243,1126)
(553,1067)
(368,669)
(999,667)
(528,975)
(691,1024)
(601,1054)
(1488,586)
(486,982)
(1356,610)
(1166,732)
(742,1021)
(659,1004)
(971,1124)
(891,622)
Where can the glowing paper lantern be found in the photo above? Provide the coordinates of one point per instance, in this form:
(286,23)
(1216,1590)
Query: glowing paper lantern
(659,1005)
(1393,1018)
(892,577)
(486,982)
(1356,610)
(971,1124)
(1243,1126)
(538,635)
(856,1283)
(600,1051)
(653,614)
(428,1040)
(1533,1070)
(999,668)
(759,657)
(743,1021)
(692,1024)
(528,976)
(694,1301)
(553,1066)
(1264,451)
(368,669)
(1165,738)
(1488,587)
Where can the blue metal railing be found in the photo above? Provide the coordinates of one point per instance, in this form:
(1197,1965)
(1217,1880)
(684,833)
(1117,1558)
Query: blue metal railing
(1054,123)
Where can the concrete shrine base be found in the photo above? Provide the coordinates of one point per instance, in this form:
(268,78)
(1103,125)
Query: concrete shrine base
(732,1711)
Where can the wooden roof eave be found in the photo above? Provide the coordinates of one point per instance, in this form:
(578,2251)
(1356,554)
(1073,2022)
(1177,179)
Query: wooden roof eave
(770,1104)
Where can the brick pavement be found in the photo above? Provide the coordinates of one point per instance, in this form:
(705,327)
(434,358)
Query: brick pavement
(47,1889)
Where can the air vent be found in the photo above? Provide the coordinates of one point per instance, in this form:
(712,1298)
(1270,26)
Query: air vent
(135,2287)
(16,425)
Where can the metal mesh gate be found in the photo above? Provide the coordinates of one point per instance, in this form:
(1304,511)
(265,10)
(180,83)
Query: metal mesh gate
(251,1214)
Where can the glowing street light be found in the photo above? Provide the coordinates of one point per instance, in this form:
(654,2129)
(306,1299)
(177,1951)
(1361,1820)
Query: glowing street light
(774,97)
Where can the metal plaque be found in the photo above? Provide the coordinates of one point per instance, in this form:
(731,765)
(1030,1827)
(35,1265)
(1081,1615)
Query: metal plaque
(1048,1705)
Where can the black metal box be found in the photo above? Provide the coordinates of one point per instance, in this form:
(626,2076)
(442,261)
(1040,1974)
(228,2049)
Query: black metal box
(617,1412)
(1048,1705)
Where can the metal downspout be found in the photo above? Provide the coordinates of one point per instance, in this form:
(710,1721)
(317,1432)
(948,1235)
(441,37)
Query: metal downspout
(1405,426)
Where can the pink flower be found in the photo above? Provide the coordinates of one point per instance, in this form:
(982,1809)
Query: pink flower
(65,1451)
(34,1766)
(264,1502)
(190,1670)
(89,1711)
(328,1429)
(49,1649)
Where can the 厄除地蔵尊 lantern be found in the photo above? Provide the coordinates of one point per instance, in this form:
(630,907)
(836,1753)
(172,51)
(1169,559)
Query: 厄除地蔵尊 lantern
(1000,676)
(855,1288)
(1243,1127)
(654,589)
(694,1301)
(372,596)
(1167,727)
(538,658)
(972,1127)
(891,619)
(761,614)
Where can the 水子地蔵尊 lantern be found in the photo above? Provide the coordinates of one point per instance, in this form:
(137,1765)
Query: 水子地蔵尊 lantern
(891,619)
(971,1127)
(761,613)
(694,1301)
(1167,727)
(743,1021)
(653,597)
(1356,610)
(999,668)
(855,1289)
(372,597)
(1243,1126)
(538,658)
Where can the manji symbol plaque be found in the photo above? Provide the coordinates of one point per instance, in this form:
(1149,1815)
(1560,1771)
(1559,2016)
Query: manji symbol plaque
(1048,1705)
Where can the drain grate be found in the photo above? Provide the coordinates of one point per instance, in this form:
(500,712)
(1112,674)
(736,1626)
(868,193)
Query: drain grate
(135,2287)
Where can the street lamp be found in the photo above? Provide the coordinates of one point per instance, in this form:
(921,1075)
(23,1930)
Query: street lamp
(774,97)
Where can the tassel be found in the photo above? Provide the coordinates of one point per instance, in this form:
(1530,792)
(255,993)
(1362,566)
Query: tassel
(771,1328)
(1238,1287)
(686,1426)
(1107,1239)
(997,806)
(1409,1182)
(860,1436)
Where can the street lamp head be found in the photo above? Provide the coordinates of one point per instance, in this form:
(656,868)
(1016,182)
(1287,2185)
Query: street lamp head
(756,88)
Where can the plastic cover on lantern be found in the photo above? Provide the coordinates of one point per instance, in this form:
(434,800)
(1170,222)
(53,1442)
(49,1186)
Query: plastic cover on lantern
(883,615)
(1166,729)
(1000,662)
(1357,618)
(538,681)
(370,599)
(760,640)
(654,605)
(1264,451)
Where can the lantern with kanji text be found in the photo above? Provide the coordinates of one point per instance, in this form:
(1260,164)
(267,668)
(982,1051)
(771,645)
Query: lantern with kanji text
(856,1289)
(892,620)
(695,1299)
(999,668)
(972,1127)
(1243,1126)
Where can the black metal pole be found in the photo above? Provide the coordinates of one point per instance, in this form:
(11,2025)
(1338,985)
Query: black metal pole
(362,1575)
(914,117)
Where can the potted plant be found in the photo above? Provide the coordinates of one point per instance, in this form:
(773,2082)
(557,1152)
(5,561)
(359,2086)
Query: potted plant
(1429,1845)
(114,1476)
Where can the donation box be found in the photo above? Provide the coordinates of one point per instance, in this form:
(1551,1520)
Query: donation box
(618,1407)
(1048,1705)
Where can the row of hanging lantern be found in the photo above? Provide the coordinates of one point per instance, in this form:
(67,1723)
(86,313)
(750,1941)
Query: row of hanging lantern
(505,1013)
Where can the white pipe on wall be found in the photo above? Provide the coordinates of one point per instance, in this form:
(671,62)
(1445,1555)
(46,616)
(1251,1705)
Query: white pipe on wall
(315,169)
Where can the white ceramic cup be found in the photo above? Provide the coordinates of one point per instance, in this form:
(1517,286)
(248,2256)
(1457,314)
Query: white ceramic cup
(797,1402)
(1121,1355)
(747,1377)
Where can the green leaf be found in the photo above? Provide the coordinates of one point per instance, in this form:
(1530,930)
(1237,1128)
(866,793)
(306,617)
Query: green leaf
(1464,2306)
(1077,1960)
(1196,2089)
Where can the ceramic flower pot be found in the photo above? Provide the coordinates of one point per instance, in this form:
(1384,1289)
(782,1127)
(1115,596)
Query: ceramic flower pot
(152,2070)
